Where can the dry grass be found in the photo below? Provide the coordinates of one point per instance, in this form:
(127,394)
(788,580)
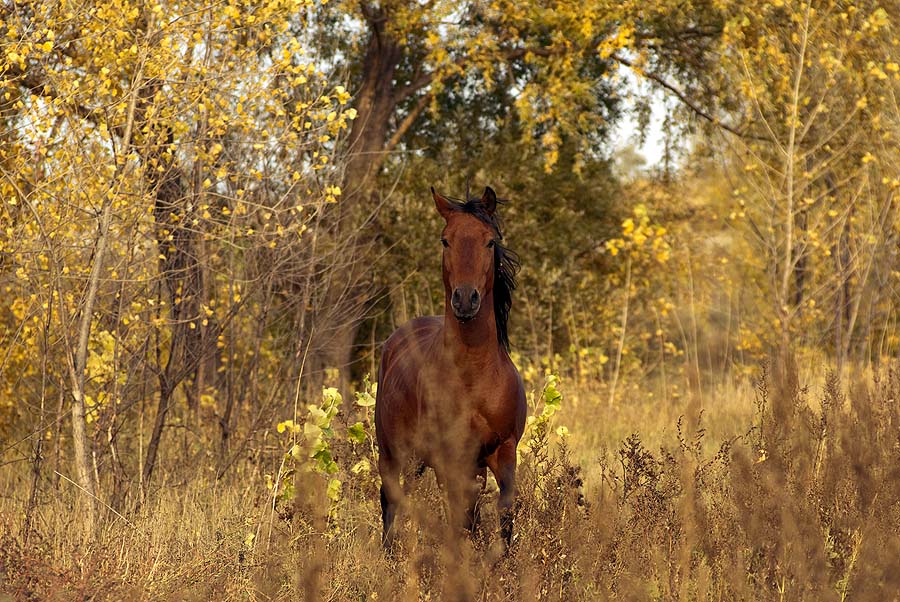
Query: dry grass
(781,491)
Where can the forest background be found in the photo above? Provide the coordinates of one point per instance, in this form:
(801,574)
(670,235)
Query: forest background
(213,214)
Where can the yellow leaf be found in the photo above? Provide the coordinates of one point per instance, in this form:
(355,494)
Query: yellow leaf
(361,466)
(311,431)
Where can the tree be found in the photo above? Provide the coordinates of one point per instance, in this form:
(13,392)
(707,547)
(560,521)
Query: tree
(553,65)
(815,186)
(161,166)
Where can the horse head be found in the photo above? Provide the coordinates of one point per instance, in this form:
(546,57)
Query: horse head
(469,239)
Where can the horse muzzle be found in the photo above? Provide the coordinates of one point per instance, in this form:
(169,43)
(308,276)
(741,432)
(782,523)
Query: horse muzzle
(465,302)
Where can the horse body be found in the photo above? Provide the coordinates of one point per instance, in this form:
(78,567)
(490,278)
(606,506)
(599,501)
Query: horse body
(448,394)
(434,405)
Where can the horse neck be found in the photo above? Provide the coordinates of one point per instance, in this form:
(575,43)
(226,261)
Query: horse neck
(475,340)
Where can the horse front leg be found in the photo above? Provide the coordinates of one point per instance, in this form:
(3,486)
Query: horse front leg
(475,488)
(462,488)
(391,496)
(503,464)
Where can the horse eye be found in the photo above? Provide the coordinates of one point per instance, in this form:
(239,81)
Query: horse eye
(445,243)
(491,244)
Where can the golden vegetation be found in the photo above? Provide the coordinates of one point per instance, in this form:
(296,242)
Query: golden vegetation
(799,503)
(211,215)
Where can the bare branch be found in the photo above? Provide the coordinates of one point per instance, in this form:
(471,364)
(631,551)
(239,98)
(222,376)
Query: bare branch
(407,122)
(693,106)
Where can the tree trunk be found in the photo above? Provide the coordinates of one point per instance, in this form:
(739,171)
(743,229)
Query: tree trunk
(842,305)
(181,276)
(800,265)
(78,364)
(81,444)
(376,102)
(165,399)
(375,105)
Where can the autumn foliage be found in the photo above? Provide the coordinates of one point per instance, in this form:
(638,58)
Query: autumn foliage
(212,215)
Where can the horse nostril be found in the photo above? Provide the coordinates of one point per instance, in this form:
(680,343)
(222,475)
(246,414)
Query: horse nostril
(456,298)
(474,298)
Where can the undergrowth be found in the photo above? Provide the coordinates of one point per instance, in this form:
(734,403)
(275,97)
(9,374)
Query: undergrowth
(802,504)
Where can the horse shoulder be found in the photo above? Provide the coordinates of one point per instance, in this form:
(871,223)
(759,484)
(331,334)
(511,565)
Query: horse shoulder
(401,357)
(415,335)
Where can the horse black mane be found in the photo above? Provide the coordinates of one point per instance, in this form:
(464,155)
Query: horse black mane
(506,265)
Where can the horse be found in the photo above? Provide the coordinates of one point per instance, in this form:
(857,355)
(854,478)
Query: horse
(449,397)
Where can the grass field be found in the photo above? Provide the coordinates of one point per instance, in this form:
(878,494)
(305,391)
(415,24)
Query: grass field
(788,489)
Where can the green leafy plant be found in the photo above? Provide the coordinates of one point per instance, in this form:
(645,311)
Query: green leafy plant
(312,452)
(538,425)
(360,434)
(314,444)
(535,445)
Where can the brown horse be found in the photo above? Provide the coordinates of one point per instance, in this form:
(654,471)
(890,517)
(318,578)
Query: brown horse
(449,396)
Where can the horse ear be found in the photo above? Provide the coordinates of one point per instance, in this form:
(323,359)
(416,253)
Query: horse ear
(444,207)
(489,200)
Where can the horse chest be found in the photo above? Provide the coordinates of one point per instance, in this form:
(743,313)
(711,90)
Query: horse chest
(465,412)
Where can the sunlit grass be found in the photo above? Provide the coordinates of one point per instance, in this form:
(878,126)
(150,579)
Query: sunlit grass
(641,500)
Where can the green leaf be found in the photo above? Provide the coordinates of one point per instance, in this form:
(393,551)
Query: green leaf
(323,456)
(317,416)
(364,399)
(552,396)
(361,466)
(331,396)
(311,431)
(287,492)
(357,433)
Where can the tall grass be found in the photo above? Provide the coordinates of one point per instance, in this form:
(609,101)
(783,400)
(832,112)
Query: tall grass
(785,489)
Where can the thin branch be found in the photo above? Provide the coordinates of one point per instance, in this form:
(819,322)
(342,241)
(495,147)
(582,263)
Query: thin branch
(96,499)
(417,84)
(408,122)
(680,95)
(37,85)
(424,79)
